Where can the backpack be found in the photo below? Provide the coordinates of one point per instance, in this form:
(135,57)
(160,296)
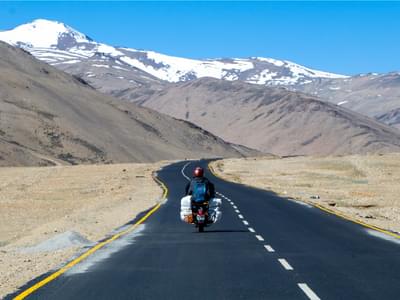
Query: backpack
(199,192)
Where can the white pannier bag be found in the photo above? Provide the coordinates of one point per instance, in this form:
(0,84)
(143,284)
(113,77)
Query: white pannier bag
(186,210)
(214,210)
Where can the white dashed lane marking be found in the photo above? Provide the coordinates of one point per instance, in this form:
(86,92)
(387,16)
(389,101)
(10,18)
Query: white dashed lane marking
(285,264)
(309,292)
(269,248)
(303,286)
(260,238)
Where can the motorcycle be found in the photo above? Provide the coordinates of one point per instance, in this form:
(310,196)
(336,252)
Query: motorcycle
(201,214)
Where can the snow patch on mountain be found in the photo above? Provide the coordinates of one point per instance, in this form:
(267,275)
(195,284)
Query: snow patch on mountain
(278,63)
(102,48)
(262,78)
(175,69)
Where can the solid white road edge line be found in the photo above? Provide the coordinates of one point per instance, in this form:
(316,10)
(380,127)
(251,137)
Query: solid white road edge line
(383,236)
(245,222)
(251,229)
(260,238)
(285,264)
(309,292)
(269,248)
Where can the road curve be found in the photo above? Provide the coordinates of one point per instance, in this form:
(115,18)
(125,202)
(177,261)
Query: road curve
(265,247)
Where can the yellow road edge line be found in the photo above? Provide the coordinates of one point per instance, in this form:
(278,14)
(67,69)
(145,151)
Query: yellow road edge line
(210,167)
(92,250)
(328,210)
(344,216)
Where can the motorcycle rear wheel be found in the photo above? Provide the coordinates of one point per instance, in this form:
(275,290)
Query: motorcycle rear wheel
(201,227)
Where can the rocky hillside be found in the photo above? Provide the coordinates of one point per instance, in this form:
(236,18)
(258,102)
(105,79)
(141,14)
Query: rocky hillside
(273,120)
(391,118)
(372,94)
(49,117)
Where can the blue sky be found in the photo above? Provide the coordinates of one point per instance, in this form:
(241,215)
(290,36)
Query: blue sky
(342,37)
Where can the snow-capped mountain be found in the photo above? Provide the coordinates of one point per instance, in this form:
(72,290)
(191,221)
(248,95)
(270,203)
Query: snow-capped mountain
(54,42)
(66,48)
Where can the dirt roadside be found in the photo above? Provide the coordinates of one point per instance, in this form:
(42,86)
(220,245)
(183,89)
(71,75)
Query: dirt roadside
(365,187)
(87,202)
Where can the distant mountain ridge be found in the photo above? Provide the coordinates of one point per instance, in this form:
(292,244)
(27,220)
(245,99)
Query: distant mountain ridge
(273,120)
(60,45)
(372,94)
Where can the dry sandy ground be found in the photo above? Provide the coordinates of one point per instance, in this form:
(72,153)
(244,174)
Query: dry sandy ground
(362,186)
(39,203)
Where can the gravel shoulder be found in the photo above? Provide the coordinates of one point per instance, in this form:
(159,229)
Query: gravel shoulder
(67,204)
(365,187)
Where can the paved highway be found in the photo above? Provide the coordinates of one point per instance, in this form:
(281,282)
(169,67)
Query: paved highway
(265,247)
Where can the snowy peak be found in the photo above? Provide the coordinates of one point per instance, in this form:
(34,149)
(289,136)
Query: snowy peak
(44,34)
(64,47)
(54,42)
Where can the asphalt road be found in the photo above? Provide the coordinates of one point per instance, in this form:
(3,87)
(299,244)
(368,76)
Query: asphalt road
(265,247)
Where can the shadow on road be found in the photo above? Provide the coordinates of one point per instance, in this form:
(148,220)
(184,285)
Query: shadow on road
(219,231)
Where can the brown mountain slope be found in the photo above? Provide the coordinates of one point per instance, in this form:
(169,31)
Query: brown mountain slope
(48,117)
(273,120)
(391,118)
(372,95)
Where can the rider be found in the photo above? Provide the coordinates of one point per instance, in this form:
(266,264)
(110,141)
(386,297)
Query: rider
(200,188)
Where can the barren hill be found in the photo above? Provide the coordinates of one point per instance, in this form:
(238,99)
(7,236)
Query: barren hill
(48,117)
(391,118)
(273,119)
(373,95)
